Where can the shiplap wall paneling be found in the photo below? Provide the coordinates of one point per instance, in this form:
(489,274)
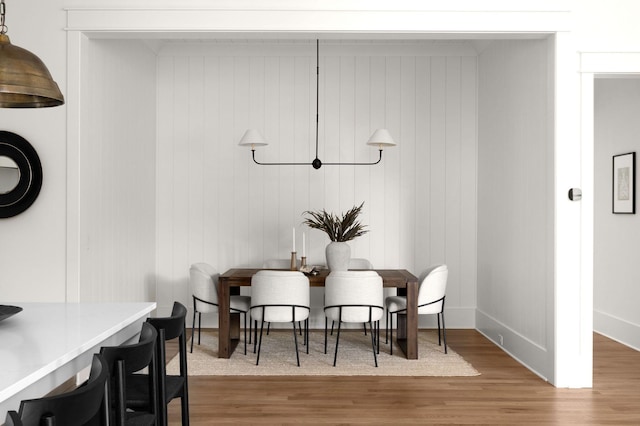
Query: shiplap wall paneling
(438,160)
(117,174)
(407,154)
(515,192)
(164,179)
(422,188)
(363,153)
(378,187)
(211,173)
(181,183)
(453,162)
(392,166)
(248,211)
(466,292)
(197,139)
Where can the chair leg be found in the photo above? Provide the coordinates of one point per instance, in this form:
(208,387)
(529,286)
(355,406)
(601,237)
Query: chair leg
(386,330)
(199,326)
(364,327)
(193,329)
(260,343)
(444,333)
(373,344)
(439,341)
(245,333)
(161,357)
(184,403)
(306,332)
(335,357)
(120,402)
(332,322)
(391,333)
(326,324)
(295,339)
(255,335)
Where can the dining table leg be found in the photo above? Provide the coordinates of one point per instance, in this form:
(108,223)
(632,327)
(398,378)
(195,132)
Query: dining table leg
(228,323)
(407,324)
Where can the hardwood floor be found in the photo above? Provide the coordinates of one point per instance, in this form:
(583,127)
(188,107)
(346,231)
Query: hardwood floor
(504,393)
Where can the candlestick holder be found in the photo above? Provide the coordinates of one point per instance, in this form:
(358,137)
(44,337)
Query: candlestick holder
(303,262)
(294,261)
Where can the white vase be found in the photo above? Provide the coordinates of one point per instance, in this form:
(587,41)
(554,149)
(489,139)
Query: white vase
(338,255)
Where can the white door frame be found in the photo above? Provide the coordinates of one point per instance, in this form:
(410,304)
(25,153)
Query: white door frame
(592,65)
(571,314)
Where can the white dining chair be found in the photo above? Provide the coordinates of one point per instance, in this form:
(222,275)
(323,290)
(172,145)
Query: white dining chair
(357,263)
(280,296)
(431,296)
(203,283)
(354,297)
(284,264)
(360,263)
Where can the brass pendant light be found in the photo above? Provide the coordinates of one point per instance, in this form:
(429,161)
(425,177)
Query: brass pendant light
(25,81)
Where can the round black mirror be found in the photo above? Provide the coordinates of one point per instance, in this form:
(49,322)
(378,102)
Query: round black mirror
(20,174)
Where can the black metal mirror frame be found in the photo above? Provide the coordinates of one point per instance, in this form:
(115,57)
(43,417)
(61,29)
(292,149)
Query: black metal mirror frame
(26,191)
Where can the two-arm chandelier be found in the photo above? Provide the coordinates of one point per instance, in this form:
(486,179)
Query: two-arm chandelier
(380,138)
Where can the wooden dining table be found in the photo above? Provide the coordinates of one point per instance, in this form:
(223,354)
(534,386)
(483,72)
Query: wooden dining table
(229,323)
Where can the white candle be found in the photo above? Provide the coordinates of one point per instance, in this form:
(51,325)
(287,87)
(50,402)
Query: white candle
(293,241)
(303,245)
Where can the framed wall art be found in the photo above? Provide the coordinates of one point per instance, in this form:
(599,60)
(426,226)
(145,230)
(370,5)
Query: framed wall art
(624,183)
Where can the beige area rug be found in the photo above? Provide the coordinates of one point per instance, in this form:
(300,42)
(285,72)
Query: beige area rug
(355,357)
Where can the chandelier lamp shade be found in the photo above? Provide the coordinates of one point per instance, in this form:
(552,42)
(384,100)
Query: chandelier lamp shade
(381,138)
(25,81)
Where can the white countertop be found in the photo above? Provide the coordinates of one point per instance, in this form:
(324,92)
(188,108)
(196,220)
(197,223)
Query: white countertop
(47,343)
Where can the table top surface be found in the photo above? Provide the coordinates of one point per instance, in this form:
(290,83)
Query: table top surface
(398,278)
(45,336)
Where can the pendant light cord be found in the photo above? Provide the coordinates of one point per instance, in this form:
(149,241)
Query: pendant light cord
(317,90)
(316,163)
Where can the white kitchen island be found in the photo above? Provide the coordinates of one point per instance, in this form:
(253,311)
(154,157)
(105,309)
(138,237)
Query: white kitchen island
(48,343)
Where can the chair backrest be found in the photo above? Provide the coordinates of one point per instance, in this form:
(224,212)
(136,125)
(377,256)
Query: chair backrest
(123,361)
(170,328)
(278,264)
(355,291)
(358,263)
(290,288)
(203,284)
(73,408)
(174,325)
(135,356)
(433,287)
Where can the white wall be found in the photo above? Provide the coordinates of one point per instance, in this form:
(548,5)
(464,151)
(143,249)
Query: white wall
(118,173)
(515,201)
(616,275)
(215,205)
(32,244)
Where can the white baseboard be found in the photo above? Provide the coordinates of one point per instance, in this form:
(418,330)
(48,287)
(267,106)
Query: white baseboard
(618,329)
(528,353)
